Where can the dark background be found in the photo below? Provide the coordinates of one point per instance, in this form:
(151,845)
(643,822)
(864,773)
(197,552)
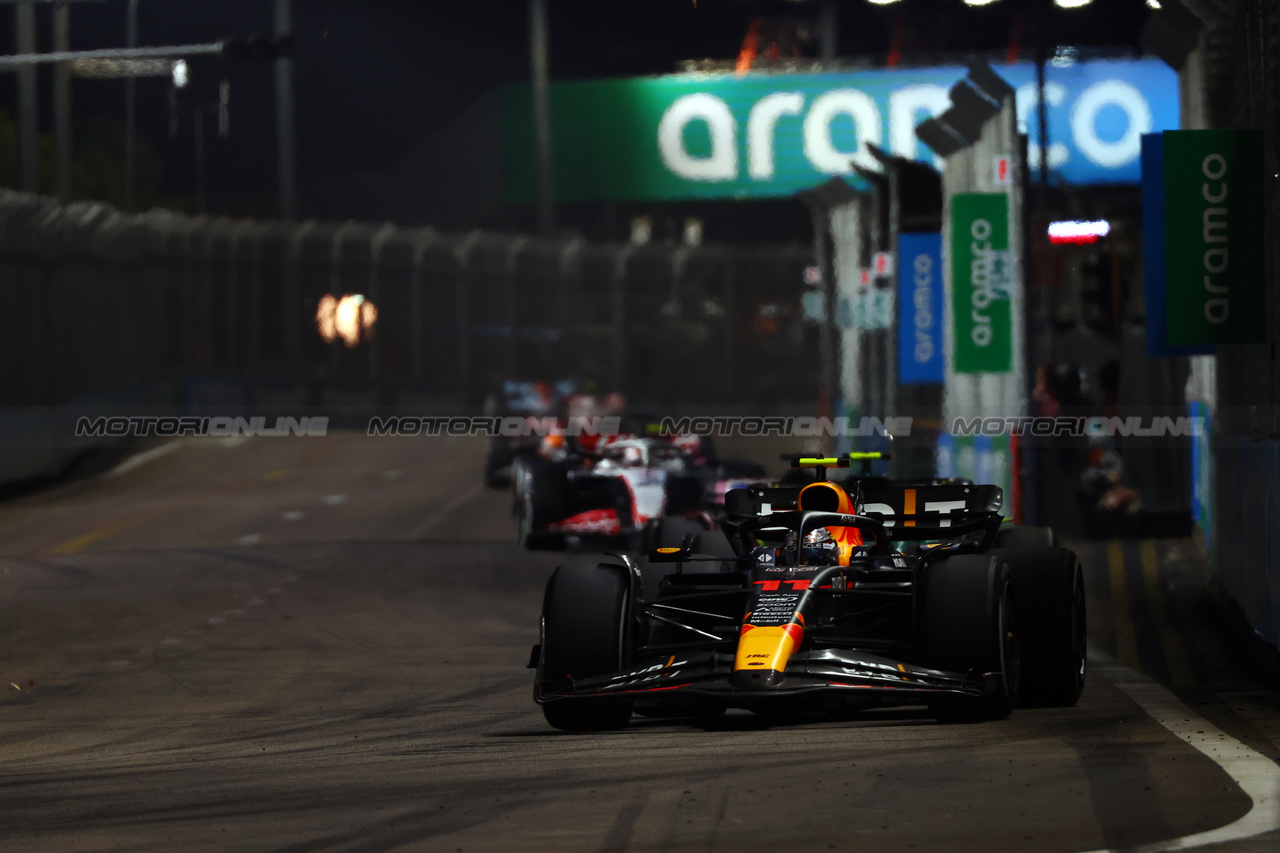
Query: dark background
(394,115)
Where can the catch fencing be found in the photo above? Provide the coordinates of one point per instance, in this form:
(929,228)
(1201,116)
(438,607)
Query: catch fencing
(169,310)
(103,304)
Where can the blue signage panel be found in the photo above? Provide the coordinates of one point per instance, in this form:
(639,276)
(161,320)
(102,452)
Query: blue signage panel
(1098,113)
(920,319)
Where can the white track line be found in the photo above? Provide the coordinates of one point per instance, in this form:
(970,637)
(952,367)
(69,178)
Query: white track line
(452,504)
(1257,775)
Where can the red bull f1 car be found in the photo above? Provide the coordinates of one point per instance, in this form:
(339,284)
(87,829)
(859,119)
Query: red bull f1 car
(820,598)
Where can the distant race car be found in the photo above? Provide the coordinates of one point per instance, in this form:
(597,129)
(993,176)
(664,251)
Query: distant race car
(528,400)
(572,492)
(820,598)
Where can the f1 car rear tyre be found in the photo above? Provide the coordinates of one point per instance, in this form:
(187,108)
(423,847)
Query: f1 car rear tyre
(966,624)
(584,615)
(1050,584)
(1026,537)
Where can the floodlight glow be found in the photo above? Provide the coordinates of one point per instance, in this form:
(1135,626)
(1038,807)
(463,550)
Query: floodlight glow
(180,73)
(350,317)
(1078,233)
(1154,4)
(1072,4)
(978,2)
(881,2)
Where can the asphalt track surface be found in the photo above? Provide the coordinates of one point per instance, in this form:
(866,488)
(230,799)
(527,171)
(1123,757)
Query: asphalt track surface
(320,644)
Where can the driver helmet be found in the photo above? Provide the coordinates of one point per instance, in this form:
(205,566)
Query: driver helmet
(820,547)
(817,538)
(632,457)
(552,445)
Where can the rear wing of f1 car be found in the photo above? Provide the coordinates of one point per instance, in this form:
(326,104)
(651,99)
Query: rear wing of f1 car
(904,510)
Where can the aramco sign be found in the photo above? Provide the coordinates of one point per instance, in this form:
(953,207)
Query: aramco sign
(1204,230)
(762,135)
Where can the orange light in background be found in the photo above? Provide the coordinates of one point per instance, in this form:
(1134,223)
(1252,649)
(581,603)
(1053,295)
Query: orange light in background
(350,317)
(750,47)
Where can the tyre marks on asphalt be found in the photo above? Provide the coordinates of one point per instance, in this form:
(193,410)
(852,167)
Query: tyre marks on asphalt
(432,521)
(91,648)
(618,838)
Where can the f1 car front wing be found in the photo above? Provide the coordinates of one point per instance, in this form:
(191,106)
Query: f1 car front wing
(712,675)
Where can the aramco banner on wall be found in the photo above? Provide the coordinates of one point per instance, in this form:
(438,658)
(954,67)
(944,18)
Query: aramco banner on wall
(765,135)
(1215,237)
(921,356)
(982,283)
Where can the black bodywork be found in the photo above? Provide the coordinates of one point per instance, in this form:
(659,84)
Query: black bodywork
(861,631)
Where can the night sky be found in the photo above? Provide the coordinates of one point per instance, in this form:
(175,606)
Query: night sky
(378,78)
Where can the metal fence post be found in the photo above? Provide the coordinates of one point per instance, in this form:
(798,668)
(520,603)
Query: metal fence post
(292,296)
(335,273)
(464,331)
(238,232)
(379,240)
(62,101)
(189,294)
(255,301)
(24,24)
(729,343)
(619,311)
(421,243)
(513,314)
(568,277)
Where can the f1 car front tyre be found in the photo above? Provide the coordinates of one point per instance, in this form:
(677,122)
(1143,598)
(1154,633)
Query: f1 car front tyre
(966,624)
(584,615)
(497,465)
(1050,584)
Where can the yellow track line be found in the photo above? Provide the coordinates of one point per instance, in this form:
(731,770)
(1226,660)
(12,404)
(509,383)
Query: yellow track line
(102,531)
(1175,652)
(1126,637)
